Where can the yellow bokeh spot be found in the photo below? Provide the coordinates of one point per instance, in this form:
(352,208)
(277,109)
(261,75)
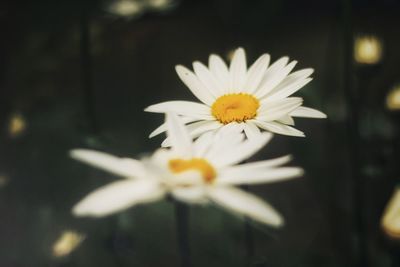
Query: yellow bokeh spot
(4,179)
(390,220)
(367,50)
(66,243)
(181,165)
(17,125)
(235,107)
(393,99)
(126,8)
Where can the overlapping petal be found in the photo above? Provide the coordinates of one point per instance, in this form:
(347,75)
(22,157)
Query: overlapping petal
(248,175)
(119,196)
(246,204)
(308,113)
(181,143)
(119,166)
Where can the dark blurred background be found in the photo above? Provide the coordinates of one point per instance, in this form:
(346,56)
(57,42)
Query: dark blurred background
(79,74)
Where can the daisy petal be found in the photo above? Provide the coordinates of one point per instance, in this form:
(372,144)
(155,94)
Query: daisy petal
(242,151)
(191,195)
(118,196)
(267,105)
(187,178)
(213,85)
(299,74)
(220,70)
(238,70)
(193,83)
(274,75)
(202,144)
(195,130)
(270,163)
(251,130)
(185,108)
(296,77)
(285,91)
(225,140)
(256,73)
(231,128)
(276,127)
(198,128)
(308,113)
(163,127)
(119,166)
(275,110)
(249,175)
(287,119)
(181,142)
(245,204)
(161,157)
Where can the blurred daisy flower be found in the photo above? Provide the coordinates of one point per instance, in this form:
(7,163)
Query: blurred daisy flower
(199,172)
(251,99)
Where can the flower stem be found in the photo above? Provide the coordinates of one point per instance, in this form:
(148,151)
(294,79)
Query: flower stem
(182,230)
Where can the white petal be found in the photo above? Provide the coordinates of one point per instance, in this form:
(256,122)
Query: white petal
(292,81)
(274,75)
(287,119)
(213,85)
(251,130)
(238,70)
(191,195)
(163,127)
(187,178)
(299,74)
(242,151)
(267,106)
(307,113)
(181,142)
(119,166)
(276,127)
(185,108)
(193,83)
(249,175)
(225,139)
(118,196)
(256,73)
(246,204)
(285,91)
(202,144)
(196,129)
(220,71)
(275,110)
(270,163)
(231,128)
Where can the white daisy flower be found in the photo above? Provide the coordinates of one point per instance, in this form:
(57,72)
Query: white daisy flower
(198,172)
(254,98)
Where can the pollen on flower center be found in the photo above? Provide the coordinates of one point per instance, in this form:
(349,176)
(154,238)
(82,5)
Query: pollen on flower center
(198,164)
(235,107)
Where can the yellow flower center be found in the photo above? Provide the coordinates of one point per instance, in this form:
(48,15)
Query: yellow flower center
(198,164)
(235,107)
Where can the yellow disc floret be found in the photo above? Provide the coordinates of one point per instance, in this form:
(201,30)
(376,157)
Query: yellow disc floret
(198,164)
(235,107)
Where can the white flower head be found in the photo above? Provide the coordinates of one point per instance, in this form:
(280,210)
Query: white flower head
(198,172)
(253,99)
